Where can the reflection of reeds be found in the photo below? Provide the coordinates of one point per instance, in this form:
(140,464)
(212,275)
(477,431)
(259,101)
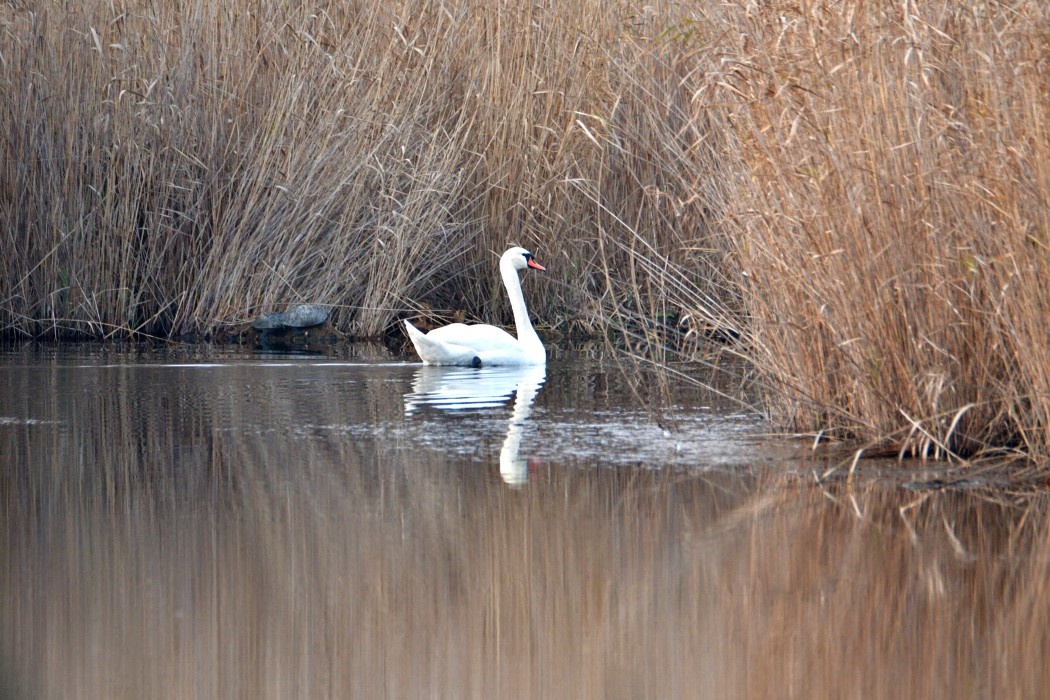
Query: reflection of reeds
(176,541)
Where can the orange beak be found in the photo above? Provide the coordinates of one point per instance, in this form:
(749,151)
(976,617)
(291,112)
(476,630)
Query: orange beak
(535,265)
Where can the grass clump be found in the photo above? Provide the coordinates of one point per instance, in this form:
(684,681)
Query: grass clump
(891,218)
(179,168)
(851,195)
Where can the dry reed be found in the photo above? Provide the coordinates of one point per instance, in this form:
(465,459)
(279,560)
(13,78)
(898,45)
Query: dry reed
(178,169)
(852,195)
(889,217)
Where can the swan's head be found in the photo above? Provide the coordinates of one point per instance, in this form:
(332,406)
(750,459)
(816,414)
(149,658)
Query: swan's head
(519,259)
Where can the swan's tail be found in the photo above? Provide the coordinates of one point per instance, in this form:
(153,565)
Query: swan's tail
(414,334)
(434,352)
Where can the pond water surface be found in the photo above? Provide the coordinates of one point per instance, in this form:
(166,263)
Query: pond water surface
(222,524)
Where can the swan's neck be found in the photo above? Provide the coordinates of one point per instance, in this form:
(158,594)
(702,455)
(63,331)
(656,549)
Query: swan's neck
(526,334)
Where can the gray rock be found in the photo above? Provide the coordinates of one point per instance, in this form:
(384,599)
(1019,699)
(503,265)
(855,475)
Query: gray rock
(301,316)
(306,316)
(271,320)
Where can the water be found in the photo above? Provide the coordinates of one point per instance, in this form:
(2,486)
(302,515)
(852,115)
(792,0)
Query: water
(236,525)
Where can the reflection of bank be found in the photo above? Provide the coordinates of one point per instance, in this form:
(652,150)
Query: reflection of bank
(461,388)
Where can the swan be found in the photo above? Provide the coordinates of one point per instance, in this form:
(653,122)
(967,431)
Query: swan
(479,345)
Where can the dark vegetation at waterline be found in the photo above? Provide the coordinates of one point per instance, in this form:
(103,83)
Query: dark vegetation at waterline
(851,195)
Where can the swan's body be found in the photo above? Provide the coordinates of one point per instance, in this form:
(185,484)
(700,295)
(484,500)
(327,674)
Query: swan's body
(480,345)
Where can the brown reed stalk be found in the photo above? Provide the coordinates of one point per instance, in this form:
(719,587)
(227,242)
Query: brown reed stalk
(850,195)
(890,216)
(179,169)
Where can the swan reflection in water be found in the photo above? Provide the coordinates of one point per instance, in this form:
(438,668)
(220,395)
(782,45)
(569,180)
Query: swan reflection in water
(465,388)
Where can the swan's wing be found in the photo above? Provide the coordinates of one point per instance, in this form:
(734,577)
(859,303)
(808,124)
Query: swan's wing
(434,351)
(460,344)
(480,337)
(492,346)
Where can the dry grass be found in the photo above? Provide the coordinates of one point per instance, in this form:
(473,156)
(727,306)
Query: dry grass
(890,219)
(853,194)
(177,169)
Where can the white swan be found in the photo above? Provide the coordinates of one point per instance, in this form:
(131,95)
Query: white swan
(479,345)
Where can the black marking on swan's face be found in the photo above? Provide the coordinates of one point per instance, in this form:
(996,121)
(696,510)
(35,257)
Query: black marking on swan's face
(530,261)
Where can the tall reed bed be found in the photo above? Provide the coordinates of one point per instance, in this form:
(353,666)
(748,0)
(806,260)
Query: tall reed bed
(175,168)
(852,195)
(891,215)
